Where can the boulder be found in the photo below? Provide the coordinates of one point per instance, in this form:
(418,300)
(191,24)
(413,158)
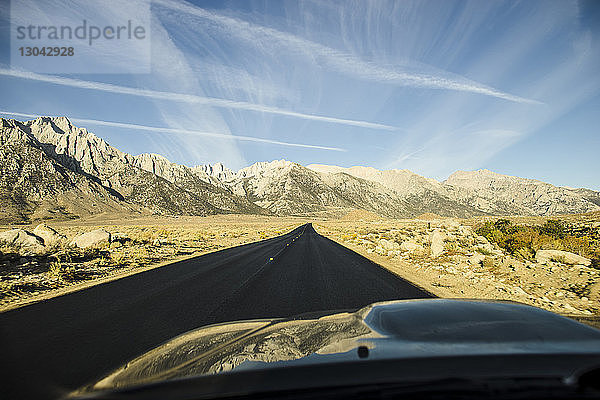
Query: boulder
(389,245)
(381,250)
(27,243)
(410,246)
(160,242)
(437,243)
(476,259)
(486,247)
(565,257)
(49,235)
(91,239)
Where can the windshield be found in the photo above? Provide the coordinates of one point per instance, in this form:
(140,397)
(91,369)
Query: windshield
(259,174)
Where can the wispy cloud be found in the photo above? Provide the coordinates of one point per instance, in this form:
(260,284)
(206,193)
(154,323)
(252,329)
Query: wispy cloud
(187,98)
(342,62)
(408,155)
(225,136)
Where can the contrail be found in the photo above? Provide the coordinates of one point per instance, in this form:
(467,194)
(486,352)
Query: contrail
(336,60)
(182,131)
(187,98)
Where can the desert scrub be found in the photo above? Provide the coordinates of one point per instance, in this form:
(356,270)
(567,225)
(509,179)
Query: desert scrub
(7,288)
(489,263)
(523,241)
(483,251)
(452,247)
(465,242)
(104,261)
(142,235)
(8,252)
(139,257)
(119,258)
(57,271)
(346,237)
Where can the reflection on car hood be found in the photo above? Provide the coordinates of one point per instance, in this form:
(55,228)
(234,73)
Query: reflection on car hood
(397,329)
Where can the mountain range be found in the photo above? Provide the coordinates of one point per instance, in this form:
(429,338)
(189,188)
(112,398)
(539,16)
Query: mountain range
(51,169)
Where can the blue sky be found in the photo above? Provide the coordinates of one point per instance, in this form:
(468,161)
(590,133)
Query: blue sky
(430,86)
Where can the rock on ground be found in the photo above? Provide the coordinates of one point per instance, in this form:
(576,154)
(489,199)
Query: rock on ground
(389,245)
(49,235)
(437,243)
(410,246)
(27,243)
(91,239)
(476,259)
(565,257)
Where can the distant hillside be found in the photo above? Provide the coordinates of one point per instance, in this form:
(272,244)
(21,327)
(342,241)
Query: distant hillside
(421,194)
(502,194)
(287,188)
(36,183)
(477,192)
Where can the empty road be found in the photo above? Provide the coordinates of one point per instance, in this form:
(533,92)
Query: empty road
(54,346)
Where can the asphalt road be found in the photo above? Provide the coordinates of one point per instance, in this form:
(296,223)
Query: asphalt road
(52,347)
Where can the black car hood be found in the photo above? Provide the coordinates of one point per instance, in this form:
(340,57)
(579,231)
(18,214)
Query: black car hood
(405,329)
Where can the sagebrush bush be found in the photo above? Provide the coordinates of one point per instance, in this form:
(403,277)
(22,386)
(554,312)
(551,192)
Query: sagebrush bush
(7,287)
(523,240)
(483,251)
(59,272)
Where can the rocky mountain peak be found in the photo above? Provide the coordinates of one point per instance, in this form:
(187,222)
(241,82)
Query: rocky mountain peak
(62,123)
(7,123)
(402,181)
(217,171)
(480,191)
(92,154)
(158,165)
(10,131)
(263,167)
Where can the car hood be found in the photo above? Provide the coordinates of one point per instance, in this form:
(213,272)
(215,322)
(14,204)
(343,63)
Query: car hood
(386,330)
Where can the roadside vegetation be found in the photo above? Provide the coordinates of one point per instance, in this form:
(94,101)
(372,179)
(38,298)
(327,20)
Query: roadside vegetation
(524,241)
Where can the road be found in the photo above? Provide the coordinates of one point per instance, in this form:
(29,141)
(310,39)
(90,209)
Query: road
(54,346)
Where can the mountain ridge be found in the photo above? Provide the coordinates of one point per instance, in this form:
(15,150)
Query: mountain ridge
(112,180)
(485,191)
(145,182)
